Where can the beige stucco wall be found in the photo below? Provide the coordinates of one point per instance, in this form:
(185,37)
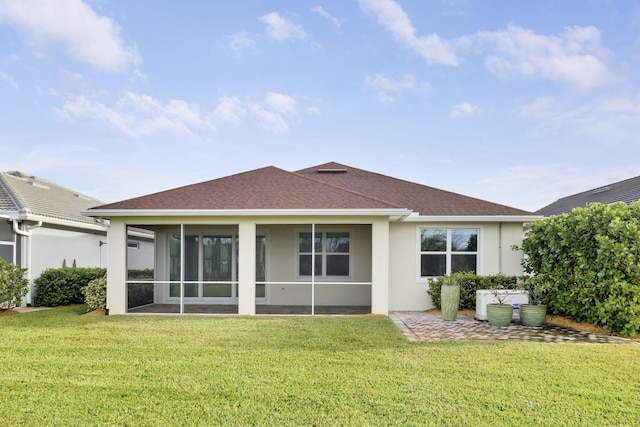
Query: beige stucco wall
(408,291)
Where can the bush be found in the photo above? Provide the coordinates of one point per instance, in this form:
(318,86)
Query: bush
(147,273)
(63,286)
(469,284)
(13,284)
(589,262)
(95,294)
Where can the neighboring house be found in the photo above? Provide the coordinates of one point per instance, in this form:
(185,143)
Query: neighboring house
(41,227)
(327,239)
(624,191)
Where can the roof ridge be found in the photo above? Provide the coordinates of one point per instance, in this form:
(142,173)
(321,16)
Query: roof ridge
(349,190)
(15,198)
(336,164)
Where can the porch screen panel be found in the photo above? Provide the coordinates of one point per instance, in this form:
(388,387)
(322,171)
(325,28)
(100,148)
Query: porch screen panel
(190,264)
(261,261)
(304,249)
(337,245)
(217,262)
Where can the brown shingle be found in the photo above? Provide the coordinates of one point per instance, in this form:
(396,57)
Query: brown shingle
(327,186)
(266,188)
(420,198)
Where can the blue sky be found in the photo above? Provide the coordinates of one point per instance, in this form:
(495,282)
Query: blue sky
(518,103)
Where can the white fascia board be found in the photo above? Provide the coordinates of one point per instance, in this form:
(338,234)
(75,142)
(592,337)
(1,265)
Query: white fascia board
(107,213)
(61,222)
(474,218)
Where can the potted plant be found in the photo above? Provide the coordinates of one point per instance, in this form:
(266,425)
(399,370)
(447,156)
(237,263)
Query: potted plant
(449,296)
(534,313)
(500,313)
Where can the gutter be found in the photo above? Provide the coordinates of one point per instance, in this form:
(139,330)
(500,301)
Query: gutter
(27,231)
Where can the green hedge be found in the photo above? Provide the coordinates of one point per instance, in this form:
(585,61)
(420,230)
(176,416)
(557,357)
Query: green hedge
(469,284)
(589,263)
(63,286)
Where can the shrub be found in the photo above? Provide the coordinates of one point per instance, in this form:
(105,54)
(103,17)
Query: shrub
(13,284)
(95,294)
(63,286)
(469,284)
(147,273)
(589,262)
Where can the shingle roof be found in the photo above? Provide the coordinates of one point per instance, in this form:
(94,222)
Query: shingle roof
(266,188)
(328,186)
(624,191)
(27,195)
(420,198)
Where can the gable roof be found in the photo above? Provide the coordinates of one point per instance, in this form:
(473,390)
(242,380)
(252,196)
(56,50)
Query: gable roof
(624,191)
(331,186)
(24,196)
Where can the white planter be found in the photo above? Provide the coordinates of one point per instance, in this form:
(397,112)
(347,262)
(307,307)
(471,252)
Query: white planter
(514,297)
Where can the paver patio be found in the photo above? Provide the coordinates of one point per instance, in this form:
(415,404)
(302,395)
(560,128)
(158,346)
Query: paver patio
(423,326)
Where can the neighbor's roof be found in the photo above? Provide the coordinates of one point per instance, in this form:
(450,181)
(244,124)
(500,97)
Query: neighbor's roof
(624,191)
(330,186)
(26,197)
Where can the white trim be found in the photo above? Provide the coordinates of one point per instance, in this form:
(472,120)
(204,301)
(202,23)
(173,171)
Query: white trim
(474,218)
(447,227)
(394,212)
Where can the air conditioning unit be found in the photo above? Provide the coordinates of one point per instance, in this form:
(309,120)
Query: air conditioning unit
(514,297)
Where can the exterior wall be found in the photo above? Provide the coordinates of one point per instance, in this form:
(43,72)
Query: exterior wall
(408,291)
(49,247)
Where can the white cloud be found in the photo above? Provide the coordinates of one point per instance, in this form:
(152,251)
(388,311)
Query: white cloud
(87,36)
(575,56)
(229,110)
(391,15)
(272,114)
(280,102)
(320,11)
(389,89)
(239,42)
(137,114)
(282,29)
(464,110)
(609,120)
(9,80)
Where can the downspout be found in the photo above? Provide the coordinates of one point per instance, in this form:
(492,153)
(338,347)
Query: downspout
(500,248)
(25,234)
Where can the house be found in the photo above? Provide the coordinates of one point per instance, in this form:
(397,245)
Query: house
(326,239)
(624,191)
(41,227)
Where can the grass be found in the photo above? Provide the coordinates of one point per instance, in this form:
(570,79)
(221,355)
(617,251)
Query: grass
(58,367)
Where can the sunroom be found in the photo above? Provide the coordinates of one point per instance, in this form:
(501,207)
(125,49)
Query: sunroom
(281,266)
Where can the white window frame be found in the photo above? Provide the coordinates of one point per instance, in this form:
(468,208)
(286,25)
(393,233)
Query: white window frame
(448,252)
(324,232)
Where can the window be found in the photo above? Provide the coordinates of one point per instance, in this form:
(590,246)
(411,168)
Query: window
(332,253)
(445,251)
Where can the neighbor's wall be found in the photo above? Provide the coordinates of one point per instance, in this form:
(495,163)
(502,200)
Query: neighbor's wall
(51,246)
(408,291)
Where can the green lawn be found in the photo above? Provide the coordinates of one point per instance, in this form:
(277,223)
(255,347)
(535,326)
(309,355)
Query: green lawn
(60,368)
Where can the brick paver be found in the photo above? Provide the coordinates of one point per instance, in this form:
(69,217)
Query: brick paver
(422,326)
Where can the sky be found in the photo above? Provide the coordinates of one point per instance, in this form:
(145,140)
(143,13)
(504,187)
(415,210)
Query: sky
(518,103)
